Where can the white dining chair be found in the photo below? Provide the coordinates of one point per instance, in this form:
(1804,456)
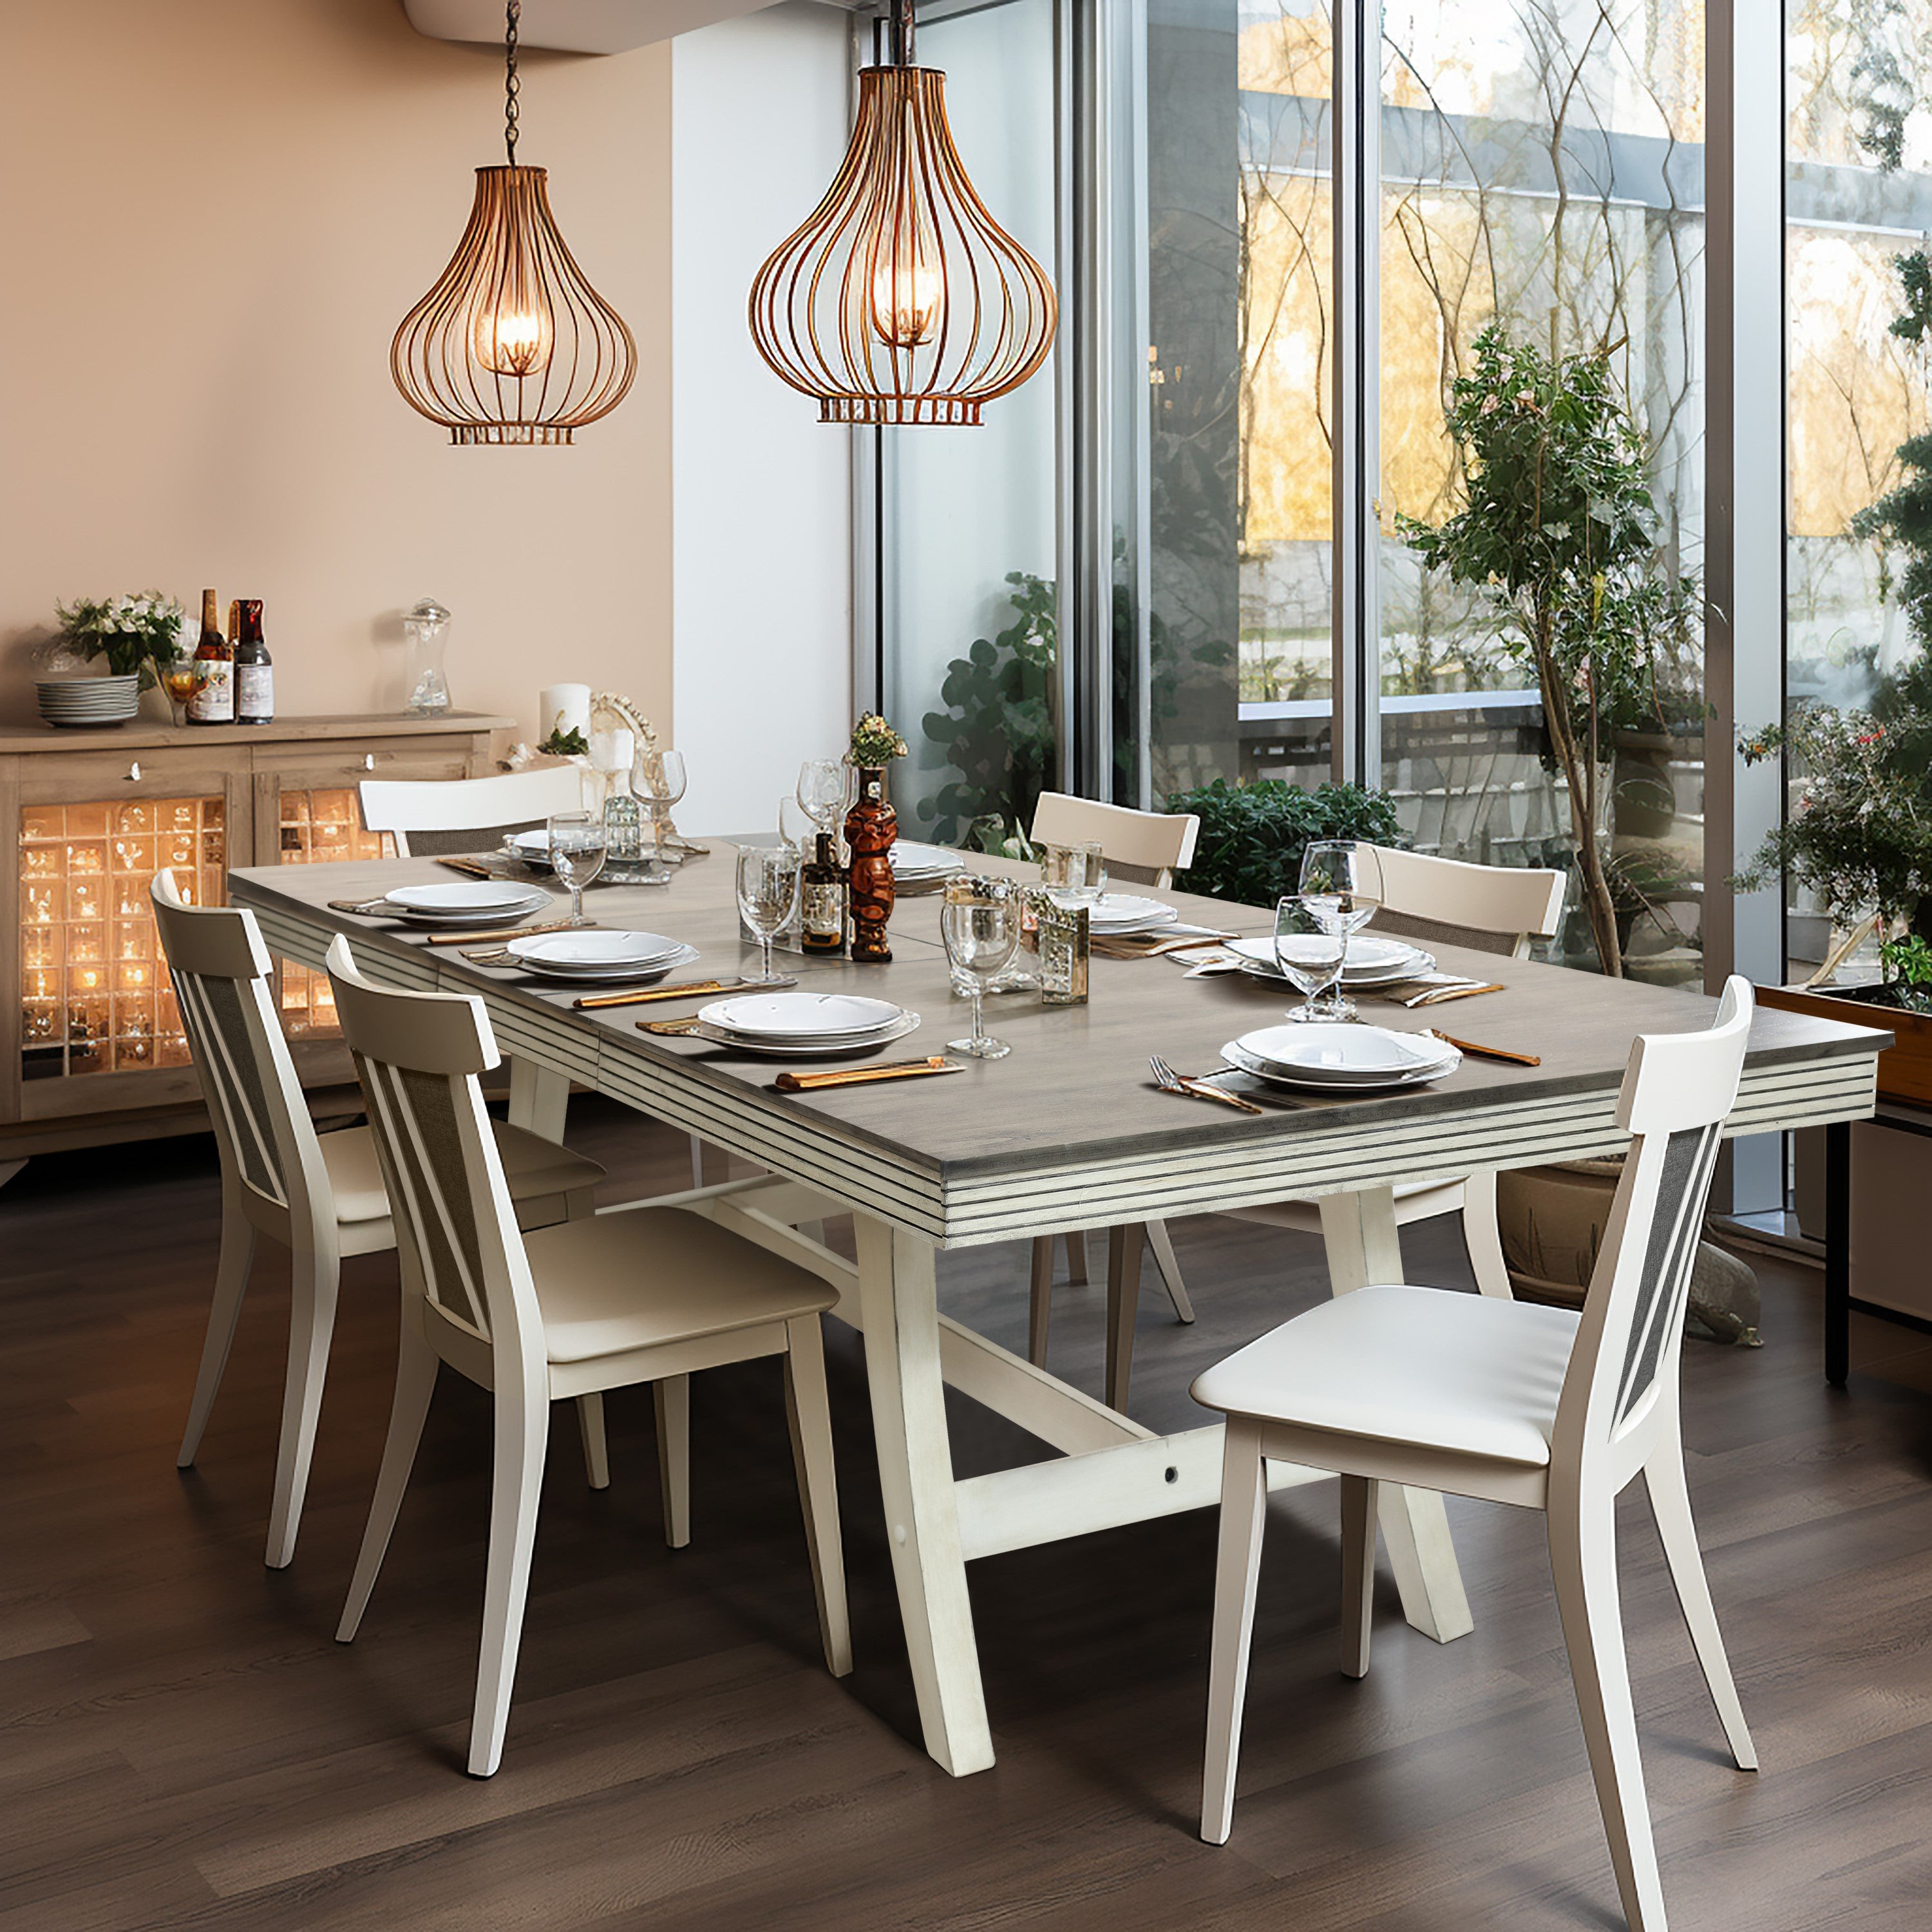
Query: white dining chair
(320,1195)
(1147,848)
(1512,1403)
(1499,909)
(427,817)
(642,1293)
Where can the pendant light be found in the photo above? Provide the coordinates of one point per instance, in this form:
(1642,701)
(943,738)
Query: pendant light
(902,300)
(512,345)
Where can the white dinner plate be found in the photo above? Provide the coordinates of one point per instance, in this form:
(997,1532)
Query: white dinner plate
(801,1016)
(641,974)
(593,951)
(1370,961)
(1125,912)
(1337,1055)
(483,895)
(799,1049)
(916,860)
(532,847)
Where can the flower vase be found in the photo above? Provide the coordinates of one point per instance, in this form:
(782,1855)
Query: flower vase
(871,826)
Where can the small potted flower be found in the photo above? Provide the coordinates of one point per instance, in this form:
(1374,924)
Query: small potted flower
(871,827)
(137,635)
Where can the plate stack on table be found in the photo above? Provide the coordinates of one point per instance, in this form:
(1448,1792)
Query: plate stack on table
(590,956)
(500,900)
(804,1024)
(920,868)
(1340,1056)
(1118,915)
(80,703)
(1370,961)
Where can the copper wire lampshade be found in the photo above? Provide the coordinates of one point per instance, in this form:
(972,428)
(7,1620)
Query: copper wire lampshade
(512,344)
(902,300)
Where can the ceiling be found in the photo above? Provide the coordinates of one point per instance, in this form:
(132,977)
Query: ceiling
(575,26)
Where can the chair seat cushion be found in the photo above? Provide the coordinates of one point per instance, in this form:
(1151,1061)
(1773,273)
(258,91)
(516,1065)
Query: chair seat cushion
(1415,1200)
(533,1167)
(645,1275)
(1469,1373)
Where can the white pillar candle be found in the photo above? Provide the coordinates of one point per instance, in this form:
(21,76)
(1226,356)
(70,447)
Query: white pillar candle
(563,707)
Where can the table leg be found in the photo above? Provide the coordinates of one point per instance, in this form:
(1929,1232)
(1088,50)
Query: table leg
(1837,1252)
(539,1098)
(899,1305)
(1359,1231)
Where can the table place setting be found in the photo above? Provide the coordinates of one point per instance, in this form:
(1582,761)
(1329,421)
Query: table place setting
(578,954)
(794,1025)
(443,906)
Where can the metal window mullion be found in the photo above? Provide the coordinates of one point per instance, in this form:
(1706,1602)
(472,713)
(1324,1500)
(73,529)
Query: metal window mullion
(1744,560)
(1356,611)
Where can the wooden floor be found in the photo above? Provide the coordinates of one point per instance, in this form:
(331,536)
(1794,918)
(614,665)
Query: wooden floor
(182,1744)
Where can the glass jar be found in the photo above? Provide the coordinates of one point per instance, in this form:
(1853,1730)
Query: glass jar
(427,627)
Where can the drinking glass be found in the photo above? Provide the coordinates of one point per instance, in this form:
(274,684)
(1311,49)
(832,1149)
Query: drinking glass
(178,680)
(1309,952)
(1075,874)
(980,924)
(797,827)
(1341,882)
(767,893)
(821,789)
(657,781)
(576,849)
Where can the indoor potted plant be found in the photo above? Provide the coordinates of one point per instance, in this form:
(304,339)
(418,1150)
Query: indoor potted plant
(136,633)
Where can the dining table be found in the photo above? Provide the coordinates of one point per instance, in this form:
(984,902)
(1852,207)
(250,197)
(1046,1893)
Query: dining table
(1068,1132)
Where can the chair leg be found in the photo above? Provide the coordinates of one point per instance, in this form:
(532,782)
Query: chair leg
(1040,1308)
(1124,1301)
(1075,1239)
(231,1282)
(313,1279)
(1482,1235)
(671,1398)
(1358,1572)
(1237,1564)
(522,1426)
(1670,1505)
(809,1415)
(416,1365)
(1162,1245)
(696,1162)
(596,1448)
(1583,1562)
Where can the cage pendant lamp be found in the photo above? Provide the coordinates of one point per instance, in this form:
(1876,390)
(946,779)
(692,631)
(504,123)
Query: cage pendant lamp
(902,300)
(512,345)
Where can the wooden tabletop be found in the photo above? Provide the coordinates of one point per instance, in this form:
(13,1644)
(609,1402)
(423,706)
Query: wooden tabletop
(1070,1125)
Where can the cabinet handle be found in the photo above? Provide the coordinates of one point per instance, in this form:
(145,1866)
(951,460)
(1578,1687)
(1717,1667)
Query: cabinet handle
(134,771)
(368,761)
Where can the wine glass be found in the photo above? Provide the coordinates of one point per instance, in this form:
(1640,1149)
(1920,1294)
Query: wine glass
(1342,885)
(821,789)
(1309,952)
(178,680)
(767,893)
(657,781)
(980,924)
(798,828)
(577,848)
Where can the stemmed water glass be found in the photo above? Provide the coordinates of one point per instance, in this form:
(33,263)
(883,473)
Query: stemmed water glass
(657,781)
(576,845)
(821,789)
(767,893)
(980,922)
(1342,886)
(1309,952)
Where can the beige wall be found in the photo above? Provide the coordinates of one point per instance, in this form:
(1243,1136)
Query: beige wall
(216,215)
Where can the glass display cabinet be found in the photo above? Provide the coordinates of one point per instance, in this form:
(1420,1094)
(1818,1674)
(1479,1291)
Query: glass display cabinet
(97,1054)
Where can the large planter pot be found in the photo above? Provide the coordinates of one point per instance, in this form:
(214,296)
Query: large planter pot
(1905,1067)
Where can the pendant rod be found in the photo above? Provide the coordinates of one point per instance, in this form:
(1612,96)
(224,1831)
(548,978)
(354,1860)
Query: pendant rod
(512,82)
(902,33)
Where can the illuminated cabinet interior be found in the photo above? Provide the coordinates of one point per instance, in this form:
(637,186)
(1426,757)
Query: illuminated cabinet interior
(97,1053)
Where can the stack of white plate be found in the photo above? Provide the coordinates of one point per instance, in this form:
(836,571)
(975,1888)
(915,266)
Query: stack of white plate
(1115,915)
(805,1023)
(916,865)
(1335,1056)
(81,702)
(594,955)
(532,847)
(1370,961)
(497,901)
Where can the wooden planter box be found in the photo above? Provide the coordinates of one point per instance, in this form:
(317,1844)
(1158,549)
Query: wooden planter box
(1905,1067)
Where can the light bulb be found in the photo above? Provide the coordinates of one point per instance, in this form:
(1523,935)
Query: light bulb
(512,337)
(908,298)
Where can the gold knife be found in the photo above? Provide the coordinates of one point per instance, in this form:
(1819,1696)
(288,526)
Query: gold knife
(858,1076)
(686,989)
(1487,1052)
(505,932)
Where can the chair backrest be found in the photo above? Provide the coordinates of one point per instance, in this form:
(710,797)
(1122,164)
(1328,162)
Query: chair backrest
(418,1056)
(223,981)
(1677,1091)
(1483,902)
(461,809)
(1157,843)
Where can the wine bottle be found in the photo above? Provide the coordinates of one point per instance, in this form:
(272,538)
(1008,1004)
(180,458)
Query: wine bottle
(213,702)
(254,670)
(822,901)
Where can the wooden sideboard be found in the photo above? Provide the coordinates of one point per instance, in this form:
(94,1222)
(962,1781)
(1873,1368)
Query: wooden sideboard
(91,1044)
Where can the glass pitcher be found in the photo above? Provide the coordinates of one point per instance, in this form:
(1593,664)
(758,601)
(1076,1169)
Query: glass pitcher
(427,627)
